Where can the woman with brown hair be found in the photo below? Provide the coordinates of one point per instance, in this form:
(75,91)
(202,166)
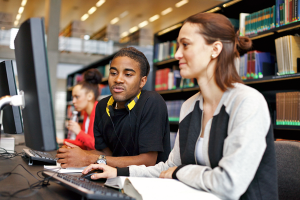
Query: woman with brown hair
(225,139)
(85,95)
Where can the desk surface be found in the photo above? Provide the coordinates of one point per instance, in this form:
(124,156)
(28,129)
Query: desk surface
(16,182)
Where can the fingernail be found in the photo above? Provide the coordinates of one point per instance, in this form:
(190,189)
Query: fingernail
(93,176)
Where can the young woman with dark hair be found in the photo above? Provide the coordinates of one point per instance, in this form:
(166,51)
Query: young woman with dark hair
(225,142)
(85,96)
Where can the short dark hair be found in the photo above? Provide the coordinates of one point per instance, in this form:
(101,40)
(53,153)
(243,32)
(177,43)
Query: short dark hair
(216,27)
(136,55)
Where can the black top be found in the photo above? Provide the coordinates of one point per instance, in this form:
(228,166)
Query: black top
(145,128)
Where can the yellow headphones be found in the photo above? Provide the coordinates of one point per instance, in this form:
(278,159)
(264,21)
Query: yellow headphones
(129,105)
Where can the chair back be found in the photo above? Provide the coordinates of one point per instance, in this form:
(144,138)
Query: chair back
(288,169)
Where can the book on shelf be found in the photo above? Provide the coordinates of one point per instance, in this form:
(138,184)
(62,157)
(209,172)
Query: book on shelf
(157,188)
(288,108)
(242,23)
(259,21)
(287,51)
(256,64)
(164,50)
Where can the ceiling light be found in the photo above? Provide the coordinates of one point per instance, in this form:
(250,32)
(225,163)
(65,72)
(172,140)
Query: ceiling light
(153,18)
(169,29)
(100,2)
(213,10)
(21,9)
(23,3)
(230,3)
(142,24)
(133,29)
(84,17)
(18,17)
(124,34)
(114,20)
(92,10)
(168,10)
(86,37)
(181,3)
(16,22)
(123,14)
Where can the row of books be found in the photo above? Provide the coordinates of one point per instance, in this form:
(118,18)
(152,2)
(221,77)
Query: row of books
(288,108)
(287,52)
(105,89)
(104,70)
(287,11)
(259,21)
(167,79)
(174,109)
(256,64)
(164,51)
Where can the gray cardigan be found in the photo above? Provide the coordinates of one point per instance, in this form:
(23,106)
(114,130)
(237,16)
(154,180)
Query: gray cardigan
(238,147)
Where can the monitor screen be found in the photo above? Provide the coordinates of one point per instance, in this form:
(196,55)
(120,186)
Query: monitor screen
(11,118)
(33,76)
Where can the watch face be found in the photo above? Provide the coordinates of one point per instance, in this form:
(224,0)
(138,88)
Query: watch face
(101,161)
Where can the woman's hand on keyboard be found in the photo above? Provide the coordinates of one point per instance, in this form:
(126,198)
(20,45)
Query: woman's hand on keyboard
(108,172)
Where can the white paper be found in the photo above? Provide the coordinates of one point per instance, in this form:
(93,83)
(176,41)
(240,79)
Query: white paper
(58,168)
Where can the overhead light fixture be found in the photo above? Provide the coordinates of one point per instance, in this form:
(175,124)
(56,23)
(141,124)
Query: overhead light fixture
(123,14)
(92,10)
(23,3)
(18,17)
(100,2)
(168,10)
(133,29)
(169,29)
(21,9)
(114,20)
(84,17)
(181,3)
(16,22)
(86,37)
(124,34)
(142,24)
(213,10)
(230,3)
(153,18)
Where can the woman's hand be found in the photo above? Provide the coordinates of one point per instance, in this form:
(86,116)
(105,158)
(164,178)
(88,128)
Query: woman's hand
(108,172)
(74,127)
(168,173)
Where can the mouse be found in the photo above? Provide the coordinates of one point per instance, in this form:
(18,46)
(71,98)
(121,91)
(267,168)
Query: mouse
(89,174)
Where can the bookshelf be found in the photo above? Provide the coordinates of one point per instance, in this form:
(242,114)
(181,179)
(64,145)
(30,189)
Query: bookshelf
(263,41)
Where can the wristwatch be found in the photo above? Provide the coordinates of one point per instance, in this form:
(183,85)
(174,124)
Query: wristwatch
(101,159)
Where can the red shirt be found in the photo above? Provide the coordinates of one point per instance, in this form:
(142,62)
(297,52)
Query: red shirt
(86,140)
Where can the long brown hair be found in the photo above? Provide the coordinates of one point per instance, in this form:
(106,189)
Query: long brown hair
(216,27)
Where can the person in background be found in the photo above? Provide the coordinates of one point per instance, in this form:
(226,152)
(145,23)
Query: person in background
(85,95)
(131,126)
(225,142)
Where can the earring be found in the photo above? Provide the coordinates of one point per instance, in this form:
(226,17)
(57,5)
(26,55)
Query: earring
(213,56)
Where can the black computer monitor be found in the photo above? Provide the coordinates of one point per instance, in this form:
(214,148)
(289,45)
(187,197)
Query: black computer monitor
(11,118)
(33,76)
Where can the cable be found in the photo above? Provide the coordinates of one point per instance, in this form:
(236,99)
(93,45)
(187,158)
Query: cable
(4,154)
(118,139)
(34,187)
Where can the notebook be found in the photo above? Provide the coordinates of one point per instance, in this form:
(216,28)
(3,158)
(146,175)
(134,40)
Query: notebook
(157,188)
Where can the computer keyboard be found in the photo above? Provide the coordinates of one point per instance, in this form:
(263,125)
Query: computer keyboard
(39,157)
(86,188)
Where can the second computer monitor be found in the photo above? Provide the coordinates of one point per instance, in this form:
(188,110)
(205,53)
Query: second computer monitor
(11,119)
(33,76)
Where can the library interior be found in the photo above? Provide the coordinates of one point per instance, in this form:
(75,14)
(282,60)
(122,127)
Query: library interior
(80,81)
